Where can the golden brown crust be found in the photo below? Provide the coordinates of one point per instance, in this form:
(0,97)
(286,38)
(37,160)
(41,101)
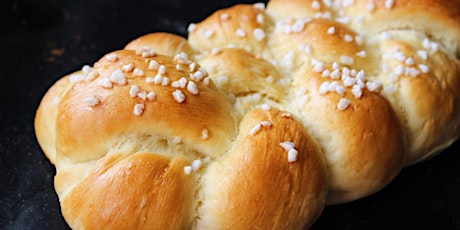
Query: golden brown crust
(123,159)
(438,19)
(45,117)
(83,128)
(162,43)
(364,144)
(316,36)
(191,133)
(284,9)
(383,30)
(127,193)
(429,118)
(235,26)
(256,178)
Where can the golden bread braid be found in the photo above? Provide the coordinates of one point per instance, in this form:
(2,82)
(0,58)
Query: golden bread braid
(134,154)
(259,119)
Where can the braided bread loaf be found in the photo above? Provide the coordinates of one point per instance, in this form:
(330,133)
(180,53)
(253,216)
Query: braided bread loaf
(259,119)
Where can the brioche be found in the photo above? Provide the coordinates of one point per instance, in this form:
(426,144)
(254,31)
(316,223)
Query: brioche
(260,118)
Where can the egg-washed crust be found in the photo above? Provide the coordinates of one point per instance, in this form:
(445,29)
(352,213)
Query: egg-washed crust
(258,119)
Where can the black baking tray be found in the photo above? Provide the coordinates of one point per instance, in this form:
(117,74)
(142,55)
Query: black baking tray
(40,41)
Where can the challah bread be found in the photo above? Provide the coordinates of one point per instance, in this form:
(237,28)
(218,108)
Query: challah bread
(258,119)
(134,160)
(352,173)
(399,39)
(390,58)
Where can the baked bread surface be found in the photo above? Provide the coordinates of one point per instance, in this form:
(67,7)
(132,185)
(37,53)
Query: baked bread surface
(258,119)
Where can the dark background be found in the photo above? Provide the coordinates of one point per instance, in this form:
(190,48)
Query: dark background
(40,41)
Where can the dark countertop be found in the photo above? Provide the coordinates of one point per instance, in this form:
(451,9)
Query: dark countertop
(40,41)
